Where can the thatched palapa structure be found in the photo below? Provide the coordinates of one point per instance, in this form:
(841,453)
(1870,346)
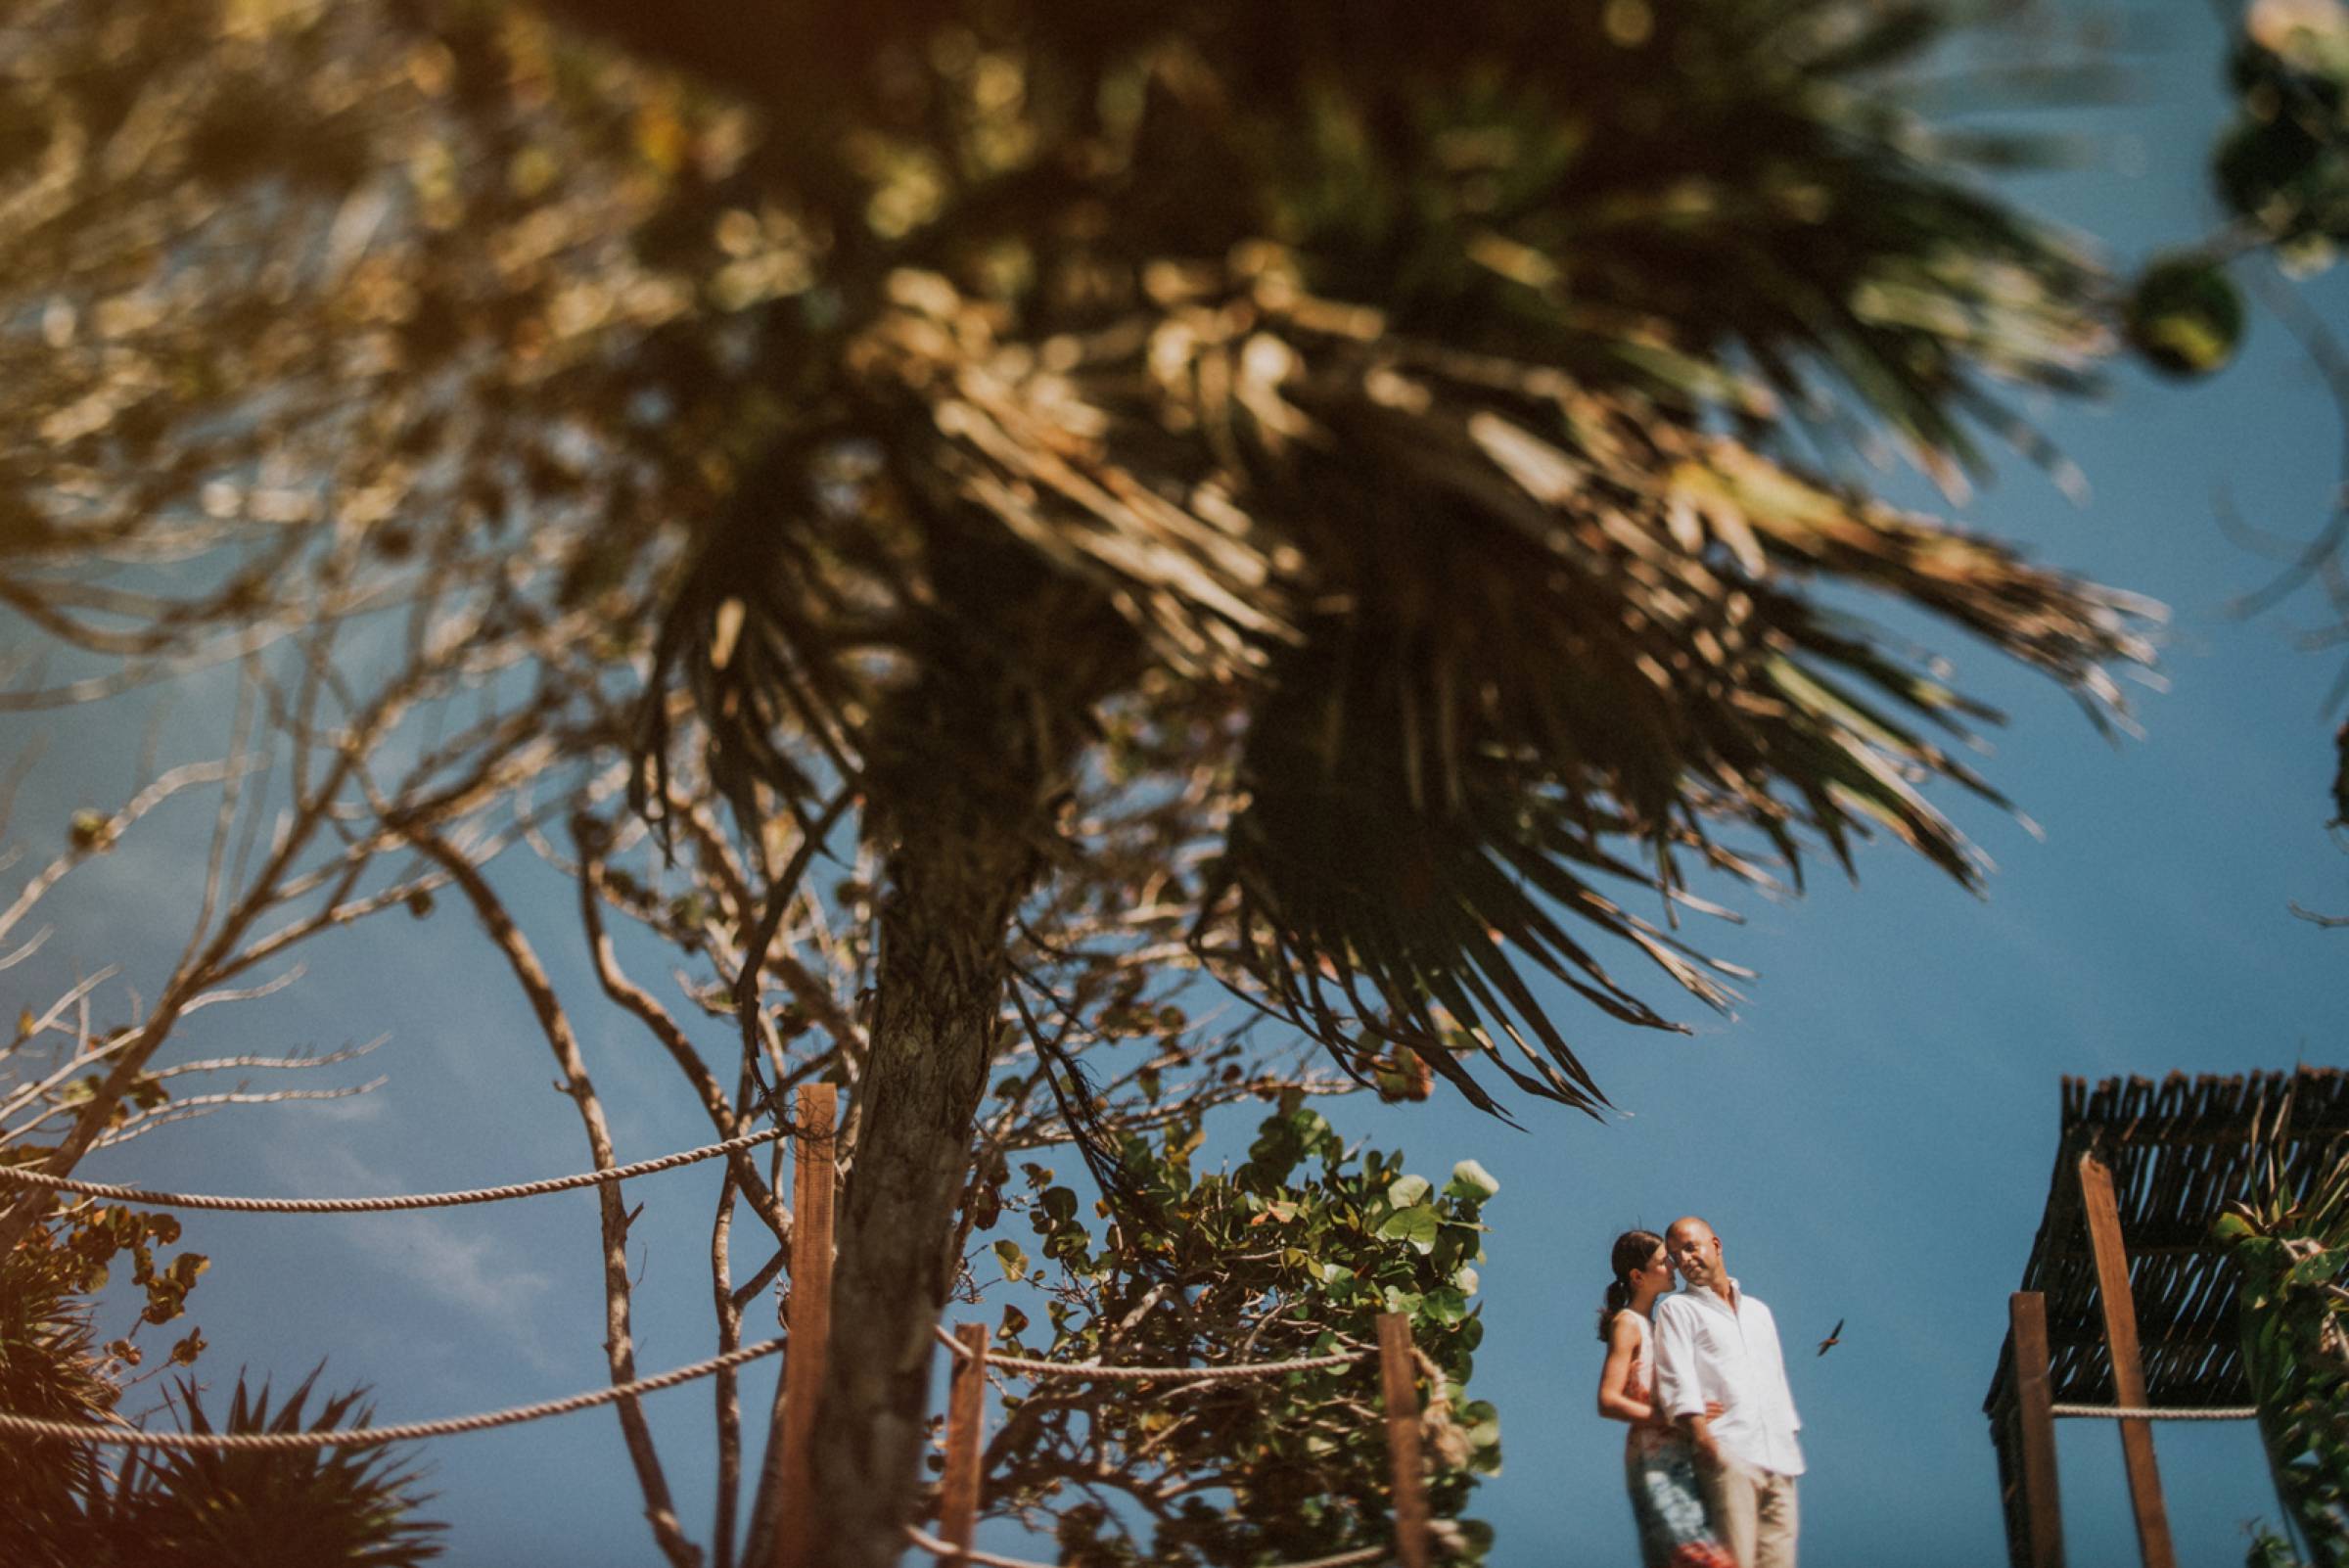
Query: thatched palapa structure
(2126,1302)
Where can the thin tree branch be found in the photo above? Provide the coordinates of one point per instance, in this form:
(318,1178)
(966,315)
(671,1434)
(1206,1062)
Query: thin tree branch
(618,1345)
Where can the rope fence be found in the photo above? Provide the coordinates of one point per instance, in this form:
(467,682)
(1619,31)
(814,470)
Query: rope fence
(987,1559)
(1158,1374)
(370,1437)
(388,1203)
(1399,1361)
(2140,1412)
(807,1320)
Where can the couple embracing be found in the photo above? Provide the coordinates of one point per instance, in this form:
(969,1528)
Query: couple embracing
(1711,1458)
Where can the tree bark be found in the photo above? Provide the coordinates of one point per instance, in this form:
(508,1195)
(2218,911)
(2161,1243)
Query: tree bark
(939,994)
(961,766)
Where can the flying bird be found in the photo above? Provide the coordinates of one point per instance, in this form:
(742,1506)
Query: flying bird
(1833,1339)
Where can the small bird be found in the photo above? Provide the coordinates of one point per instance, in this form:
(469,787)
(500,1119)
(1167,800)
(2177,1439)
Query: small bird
(1833,1339)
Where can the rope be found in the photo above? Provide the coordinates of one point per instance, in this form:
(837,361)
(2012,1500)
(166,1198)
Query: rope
(987,1559)
(1021,1364)
(369,1436)
(1155,1374)
(1345,1559)
(11,1176)
(2135,1412)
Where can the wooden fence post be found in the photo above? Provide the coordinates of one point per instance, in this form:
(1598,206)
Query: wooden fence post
(813,1179)
(2127,1370)
(966,1432)
(1398,1375)
(2042,1509)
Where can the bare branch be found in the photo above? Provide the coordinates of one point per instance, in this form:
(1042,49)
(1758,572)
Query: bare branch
(619,1343)
(221,1064)
(145,1122)
(268,987)
(662,1028)
(98,836)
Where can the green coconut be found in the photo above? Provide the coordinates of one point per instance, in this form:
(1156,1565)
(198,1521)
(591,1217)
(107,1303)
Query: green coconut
(2186,317)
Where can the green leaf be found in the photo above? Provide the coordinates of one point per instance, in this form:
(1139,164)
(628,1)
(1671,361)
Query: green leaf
(1470,1182)
(1407,1192)
(1444,1307)
(2227,1228)
(1013,1258)
(1416,1224)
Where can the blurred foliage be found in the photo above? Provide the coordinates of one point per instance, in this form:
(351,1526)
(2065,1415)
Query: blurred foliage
(2269,1550)
(1428,394)
(1292,1255)
(2292,1254)
(2283,164)
(2281,174)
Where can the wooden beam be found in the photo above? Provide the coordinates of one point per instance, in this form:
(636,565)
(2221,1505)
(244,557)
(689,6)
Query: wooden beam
(1399,1380)
(966,1431)
(813,1178)
(2042,1509)
(2104,1216)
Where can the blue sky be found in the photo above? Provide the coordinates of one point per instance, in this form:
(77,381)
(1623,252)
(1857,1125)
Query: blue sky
(1871,1135)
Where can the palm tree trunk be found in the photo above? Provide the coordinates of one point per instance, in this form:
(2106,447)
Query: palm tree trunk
(940,994)
(959,858)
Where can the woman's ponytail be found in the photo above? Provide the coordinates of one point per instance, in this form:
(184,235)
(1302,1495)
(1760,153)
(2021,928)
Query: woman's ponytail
(1617,1298)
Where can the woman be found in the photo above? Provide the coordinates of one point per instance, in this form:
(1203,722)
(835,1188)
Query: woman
(1658,1464)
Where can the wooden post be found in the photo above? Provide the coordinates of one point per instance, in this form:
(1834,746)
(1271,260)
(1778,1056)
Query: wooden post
(813,1179)
(2042,1510)
(1398,1375)
(966,1430)
(2127,1370)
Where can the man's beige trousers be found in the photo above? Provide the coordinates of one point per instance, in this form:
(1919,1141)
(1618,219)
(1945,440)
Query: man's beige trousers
(1753,1513)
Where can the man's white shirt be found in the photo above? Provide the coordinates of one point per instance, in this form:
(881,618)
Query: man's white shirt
(1708,1350)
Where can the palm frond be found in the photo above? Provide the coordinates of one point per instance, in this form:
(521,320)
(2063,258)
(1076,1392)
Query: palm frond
(1565,639)
(214,1508)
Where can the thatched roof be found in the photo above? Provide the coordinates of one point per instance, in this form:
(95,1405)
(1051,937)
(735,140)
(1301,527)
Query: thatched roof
(2179,1150)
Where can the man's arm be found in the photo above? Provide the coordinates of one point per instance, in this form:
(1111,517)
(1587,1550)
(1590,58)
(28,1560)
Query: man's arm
(1680,1385)
(1778,1356)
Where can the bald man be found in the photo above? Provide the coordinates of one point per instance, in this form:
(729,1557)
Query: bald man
(1715,1342)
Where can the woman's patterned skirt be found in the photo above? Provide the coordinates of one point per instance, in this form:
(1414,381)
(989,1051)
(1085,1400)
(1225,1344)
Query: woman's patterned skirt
(1668,1503)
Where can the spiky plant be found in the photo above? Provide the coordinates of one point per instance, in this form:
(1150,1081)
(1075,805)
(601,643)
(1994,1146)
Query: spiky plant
(2290,1250)
(50,1367)
(305,1508)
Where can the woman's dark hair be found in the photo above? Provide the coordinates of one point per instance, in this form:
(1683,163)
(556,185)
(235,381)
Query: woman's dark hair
(1633,1250)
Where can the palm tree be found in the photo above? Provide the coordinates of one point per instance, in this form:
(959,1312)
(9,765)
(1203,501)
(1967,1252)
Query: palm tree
(1424,423)
(1406,397)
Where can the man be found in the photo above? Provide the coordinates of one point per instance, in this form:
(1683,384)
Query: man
(1715,1342)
